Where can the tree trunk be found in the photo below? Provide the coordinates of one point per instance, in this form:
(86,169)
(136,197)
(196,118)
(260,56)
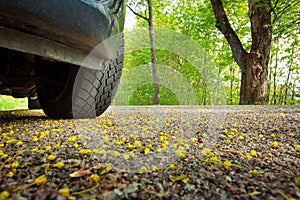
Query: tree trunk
(153,55)
(287,86)
(205,75)
(153,49)
(253,64)
(231,83)
(293,92)
(254,82)
(274,98)
(289,75)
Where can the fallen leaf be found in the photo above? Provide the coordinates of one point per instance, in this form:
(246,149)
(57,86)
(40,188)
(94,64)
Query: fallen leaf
(254,193)
(183,178)
(80,173)
(99,166)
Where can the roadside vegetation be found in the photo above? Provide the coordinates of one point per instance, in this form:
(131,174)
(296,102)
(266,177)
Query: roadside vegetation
(9,103)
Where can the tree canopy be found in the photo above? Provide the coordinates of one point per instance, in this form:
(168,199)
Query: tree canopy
(196,19)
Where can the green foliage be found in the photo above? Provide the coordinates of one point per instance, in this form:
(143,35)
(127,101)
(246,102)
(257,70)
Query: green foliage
(9,103)
(196,20)
(178,64)
(145,95)
(136,58)
(286,18)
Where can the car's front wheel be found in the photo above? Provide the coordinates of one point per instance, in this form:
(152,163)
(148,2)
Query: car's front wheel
(69,91)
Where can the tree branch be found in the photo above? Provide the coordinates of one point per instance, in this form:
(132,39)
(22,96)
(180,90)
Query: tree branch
(222,23)
(275,5)
(278,15)
(290,28)
(137,14)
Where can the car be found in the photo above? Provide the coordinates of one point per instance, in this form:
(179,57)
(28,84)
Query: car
(65,56)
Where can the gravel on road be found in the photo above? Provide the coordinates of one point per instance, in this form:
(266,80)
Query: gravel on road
(204,152)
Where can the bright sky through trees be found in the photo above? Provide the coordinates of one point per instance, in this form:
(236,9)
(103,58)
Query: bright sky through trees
(130,19)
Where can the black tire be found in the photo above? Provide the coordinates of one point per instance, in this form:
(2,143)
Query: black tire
(82,92)
(94,89)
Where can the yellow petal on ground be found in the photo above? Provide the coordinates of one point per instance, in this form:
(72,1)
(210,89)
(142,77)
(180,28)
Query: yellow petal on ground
(106,170)
(59,165)
(9,159)
(65,192)
(15,164)
(46,165)
(115,153)
(213,159)
(249,157)
(1,153)
(51,157)
(4,195)
(234,130)
(94,178)
(47,148)
(211,154)
(275,144)
(147,150)
(143,170)
(40,180)
(126,156)
(222,136)
(253,153)
(137,144)
(85,152)
(72,139)
(254,172)
(171,166)
(10,174)
(227,163)
(291,134)
(154,168)
(205,151)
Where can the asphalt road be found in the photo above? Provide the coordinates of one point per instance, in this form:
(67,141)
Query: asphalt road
(150,152)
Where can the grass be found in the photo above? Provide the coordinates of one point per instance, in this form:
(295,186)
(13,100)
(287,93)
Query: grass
(10,103)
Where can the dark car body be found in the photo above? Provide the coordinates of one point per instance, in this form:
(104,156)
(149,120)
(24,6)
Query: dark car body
(76,26)
(54,30)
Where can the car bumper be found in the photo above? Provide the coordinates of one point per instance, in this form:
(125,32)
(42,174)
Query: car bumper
(63,30)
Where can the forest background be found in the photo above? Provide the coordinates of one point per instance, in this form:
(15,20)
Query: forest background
(196,20)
